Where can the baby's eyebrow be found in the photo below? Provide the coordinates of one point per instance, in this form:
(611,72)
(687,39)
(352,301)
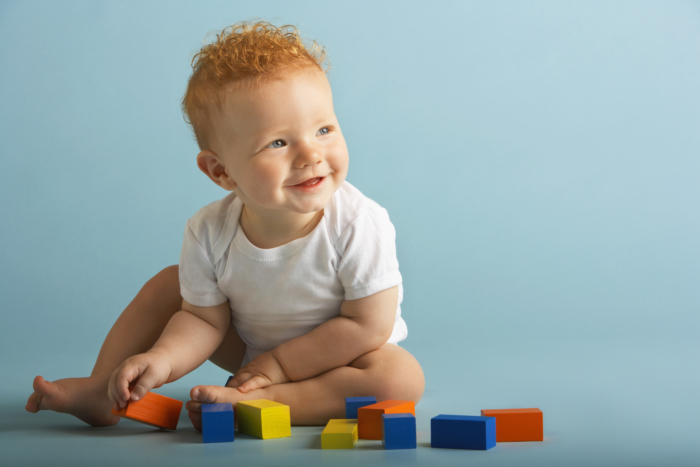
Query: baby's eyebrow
(272,132)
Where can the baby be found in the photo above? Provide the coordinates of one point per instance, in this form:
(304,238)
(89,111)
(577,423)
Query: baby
(291,281)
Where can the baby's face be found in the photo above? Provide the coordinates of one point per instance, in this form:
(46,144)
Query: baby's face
(281,144)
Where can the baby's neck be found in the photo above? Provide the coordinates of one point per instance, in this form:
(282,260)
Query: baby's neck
(270,230)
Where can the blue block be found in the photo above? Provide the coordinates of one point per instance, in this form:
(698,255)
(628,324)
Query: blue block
(229,379)
(354,403)
(462,432)
(217,423)
(399,431)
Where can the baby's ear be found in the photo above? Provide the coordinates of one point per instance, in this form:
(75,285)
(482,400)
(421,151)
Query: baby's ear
(210,163)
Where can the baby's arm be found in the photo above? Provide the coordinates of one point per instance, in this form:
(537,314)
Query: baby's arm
(189,338)
(364,325)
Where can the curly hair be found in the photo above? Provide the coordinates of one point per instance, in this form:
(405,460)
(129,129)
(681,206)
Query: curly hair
(245,53)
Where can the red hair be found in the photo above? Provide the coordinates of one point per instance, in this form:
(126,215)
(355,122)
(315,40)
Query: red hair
(244,53)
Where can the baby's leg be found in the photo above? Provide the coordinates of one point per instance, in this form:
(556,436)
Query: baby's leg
(135,331)
(389,372)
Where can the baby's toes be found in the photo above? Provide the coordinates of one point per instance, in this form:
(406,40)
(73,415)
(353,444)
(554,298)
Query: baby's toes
(196,418)
(193,406)
(33,403)
(207,394)
(47,395)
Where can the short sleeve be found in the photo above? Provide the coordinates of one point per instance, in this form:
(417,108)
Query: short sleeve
(198,282)
(367,248)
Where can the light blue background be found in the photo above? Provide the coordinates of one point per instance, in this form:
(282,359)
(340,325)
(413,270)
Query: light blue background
(540,161)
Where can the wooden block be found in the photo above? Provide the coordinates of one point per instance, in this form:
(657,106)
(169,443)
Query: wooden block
(517,424)
(154,410)
(339,434)
(462,432)
(354,403)
(217,423)
(264,419)
(369,418)
(399,431)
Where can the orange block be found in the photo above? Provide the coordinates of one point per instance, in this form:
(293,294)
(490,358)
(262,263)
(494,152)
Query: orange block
(369,417)
(154,410)
(517,424)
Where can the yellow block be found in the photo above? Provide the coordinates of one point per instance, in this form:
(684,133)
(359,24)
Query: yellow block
(264,419)
(339,434)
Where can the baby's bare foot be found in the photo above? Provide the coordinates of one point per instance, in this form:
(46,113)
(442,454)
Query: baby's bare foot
(216,395)
(85,398)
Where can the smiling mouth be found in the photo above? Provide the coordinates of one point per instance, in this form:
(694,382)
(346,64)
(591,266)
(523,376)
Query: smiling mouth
(311,182)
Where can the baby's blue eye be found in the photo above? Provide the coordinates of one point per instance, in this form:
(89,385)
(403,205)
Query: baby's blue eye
(277,144)
(324,130)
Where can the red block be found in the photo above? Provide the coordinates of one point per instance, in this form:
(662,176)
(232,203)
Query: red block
(369,418)
(154,410)
(517,424)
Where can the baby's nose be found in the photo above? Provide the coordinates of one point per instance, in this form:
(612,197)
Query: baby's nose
(309,155)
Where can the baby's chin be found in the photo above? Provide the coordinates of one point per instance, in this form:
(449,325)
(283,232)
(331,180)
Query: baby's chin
(309,204)
(309,208)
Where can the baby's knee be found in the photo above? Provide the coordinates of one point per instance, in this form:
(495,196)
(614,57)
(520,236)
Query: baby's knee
(400,379)
(164,281)
(403,386)
(163,287)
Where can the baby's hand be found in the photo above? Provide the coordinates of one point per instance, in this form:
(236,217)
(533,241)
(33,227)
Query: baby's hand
(136,376)
(264,371)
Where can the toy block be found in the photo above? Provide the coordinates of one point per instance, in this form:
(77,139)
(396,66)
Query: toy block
(517,424)
(217,423)
(462,432)
(154,410)
(354,403)
(398,431)
(228,380)
(369,418)
(264,419)
(339,434)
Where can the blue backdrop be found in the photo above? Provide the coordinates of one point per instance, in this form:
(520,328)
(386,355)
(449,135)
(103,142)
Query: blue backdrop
(540,161)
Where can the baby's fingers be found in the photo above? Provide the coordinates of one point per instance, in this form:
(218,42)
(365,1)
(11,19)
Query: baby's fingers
(147,381)
(239,379)
(121,379)
(256,382)
(114,391)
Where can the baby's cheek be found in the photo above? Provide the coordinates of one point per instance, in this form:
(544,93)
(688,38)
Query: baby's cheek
(338,159)
(265,181)
(271,173)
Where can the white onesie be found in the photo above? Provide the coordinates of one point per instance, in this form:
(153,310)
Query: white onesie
(281,293)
